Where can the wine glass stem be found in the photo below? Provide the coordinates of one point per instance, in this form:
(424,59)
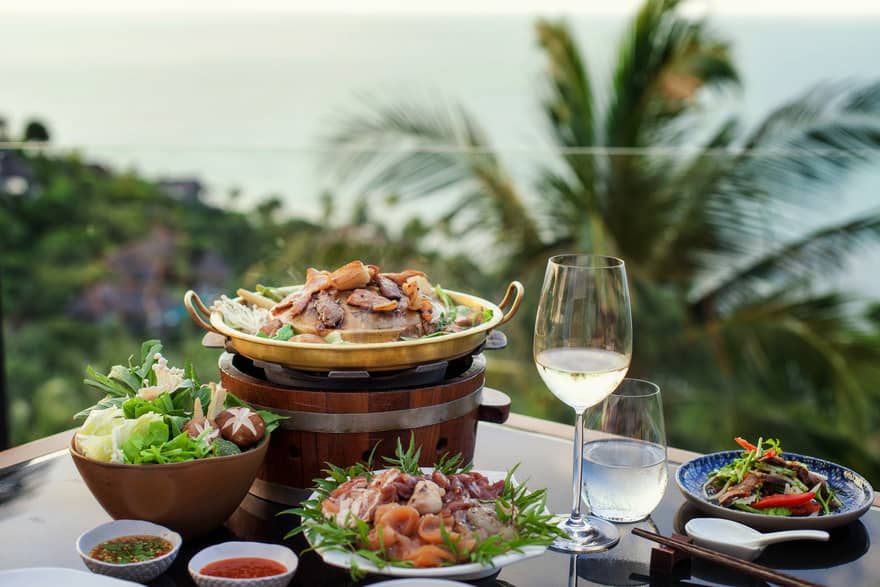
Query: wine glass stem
(578,468)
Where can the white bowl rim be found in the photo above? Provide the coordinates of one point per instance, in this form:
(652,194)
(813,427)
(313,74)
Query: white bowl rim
(249,544)
(150,529)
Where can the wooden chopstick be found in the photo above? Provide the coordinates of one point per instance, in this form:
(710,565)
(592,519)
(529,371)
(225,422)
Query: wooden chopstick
(732,562)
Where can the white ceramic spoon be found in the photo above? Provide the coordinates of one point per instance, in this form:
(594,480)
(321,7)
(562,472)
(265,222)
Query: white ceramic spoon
(739,540)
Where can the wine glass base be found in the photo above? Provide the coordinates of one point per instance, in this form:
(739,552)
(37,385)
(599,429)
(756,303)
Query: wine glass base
(592,535)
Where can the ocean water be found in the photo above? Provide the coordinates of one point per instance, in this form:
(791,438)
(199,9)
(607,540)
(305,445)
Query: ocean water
(246,101)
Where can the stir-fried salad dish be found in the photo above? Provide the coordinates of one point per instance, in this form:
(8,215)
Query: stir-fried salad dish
(154,413)
(406,516)
(354,297)
(760,481)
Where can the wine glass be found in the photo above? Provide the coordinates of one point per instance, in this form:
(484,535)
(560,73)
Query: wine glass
(582,348)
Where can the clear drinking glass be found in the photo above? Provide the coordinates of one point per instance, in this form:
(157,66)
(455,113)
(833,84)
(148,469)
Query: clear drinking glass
(625,469)
(582,348)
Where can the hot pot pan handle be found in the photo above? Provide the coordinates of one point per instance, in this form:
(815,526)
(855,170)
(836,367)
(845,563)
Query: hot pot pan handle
(515,292)
(196,308)
(494,407)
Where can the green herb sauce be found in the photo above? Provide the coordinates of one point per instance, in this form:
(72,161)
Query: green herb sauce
(131,549)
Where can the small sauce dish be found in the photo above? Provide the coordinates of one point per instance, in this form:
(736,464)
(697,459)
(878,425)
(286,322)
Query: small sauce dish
(237,550)
(142,571)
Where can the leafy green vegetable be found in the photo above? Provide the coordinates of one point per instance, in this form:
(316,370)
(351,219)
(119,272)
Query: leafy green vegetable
(95,439)
(180,448)
(148,430)
(284,333)
(135,407)
(451,308)
(127,427)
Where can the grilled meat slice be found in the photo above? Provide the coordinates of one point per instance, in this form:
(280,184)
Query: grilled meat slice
(330,312)
(271,327)
(388,288)
(351,276)
(399,278)
(367,298)
(296,303)
(807,478)
(746,487)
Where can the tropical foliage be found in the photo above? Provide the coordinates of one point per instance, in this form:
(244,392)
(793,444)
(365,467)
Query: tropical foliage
(92,261)
(734,313)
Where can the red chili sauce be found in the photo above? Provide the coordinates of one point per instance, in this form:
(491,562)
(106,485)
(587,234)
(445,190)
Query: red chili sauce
(131,549)
(245,567)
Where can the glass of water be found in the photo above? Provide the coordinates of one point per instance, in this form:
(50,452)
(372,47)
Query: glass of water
(625,465)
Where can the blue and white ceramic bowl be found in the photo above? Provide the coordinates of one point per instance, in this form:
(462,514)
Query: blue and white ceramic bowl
(853,490)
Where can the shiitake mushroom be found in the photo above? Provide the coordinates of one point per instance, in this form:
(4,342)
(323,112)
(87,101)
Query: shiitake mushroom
(242,426)
(199,423)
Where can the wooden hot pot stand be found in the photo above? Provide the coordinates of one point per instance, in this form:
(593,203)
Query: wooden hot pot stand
(343,427)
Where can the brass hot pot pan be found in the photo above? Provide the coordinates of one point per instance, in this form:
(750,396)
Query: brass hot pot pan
(373,356)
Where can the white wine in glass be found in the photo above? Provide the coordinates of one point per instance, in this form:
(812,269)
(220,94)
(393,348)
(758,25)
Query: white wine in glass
(582,348)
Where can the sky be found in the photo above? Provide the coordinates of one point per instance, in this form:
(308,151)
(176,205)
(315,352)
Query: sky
(800,7)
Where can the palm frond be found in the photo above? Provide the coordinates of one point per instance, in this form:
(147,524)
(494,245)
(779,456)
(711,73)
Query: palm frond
(816,254)
(415,151)
(664,60)
(394,144)
(686,233)
(810,143)
(568,104)
(763,337)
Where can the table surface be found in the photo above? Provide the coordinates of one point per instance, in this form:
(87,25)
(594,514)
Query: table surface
(44,506)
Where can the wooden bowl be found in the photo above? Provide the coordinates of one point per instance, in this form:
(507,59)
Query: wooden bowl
(191,498)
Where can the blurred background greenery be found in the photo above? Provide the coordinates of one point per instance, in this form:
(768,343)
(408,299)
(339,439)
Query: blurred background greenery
(736,315)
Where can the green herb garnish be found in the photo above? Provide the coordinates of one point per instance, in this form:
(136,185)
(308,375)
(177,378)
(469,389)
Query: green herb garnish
(408,460)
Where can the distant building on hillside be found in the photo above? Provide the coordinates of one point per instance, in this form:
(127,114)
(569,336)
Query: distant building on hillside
(136,291)
(188,191)
(142,286)
(16,175)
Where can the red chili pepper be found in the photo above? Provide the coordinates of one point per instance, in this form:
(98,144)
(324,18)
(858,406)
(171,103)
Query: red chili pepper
(745,444)
(811,507)
(752,448)
(784,500)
